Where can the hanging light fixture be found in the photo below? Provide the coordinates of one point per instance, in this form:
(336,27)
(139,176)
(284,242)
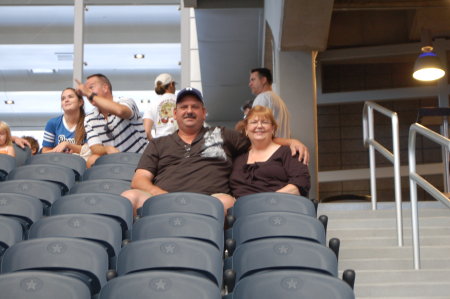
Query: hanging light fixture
(428,67)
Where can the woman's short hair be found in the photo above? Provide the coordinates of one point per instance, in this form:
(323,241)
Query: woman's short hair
(262,112)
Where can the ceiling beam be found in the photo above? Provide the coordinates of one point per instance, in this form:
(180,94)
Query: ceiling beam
(87,2)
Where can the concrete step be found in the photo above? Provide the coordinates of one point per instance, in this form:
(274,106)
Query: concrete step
(405,289)
(374,223)
(364,214)
(387,263)
(385,232)
(392,241)
(414,276)
(392,252)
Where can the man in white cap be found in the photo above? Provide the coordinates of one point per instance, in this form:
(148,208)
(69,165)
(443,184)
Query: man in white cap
(192,159)
(159,116)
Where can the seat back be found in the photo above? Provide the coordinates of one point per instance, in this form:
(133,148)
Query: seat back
(22,154)
(47,192)
(7,163)
(174,254)
(25,208)
(10,233)
(184,202)
(74,162)
(101,186)
(41,285)
(278,253)
(291,284)
(122,158)
(101,229)
(277,224)
(115,171)
(185,225)
(106,204)
(61,175)
(272,202)
(85,260)
(160,285)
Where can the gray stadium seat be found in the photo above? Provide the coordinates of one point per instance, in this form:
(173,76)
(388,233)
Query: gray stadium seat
(185,225)
(10,233)
(22,154)
(272,202)
(74,162)
(47,192)
(122,158)
(110,171)
(106,204)
(7,163)
(279,253)
(61,175)
(101,229)
(291,284)
(174,254)
(24,208)
(85,260)
(41,285)
(274,225)
(101,186)
(184,202)
(160,285)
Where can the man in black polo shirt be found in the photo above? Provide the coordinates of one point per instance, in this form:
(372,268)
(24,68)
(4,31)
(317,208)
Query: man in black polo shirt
(194,158)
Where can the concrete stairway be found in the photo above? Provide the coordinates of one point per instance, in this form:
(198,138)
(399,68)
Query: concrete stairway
(384,270)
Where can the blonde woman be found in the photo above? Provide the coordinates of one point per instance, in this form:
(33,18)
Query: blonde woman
(6,145)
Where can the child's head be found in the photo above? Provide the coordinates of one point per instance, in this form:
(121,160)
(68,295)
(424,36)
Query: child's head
(5,134)
(34,144)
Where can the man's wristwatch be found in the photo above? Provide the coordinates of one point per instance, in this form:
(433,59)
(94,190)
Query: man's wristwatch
(91,97)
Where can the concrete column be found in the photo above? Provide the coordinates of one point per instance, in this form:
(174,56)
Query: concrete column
(295,82)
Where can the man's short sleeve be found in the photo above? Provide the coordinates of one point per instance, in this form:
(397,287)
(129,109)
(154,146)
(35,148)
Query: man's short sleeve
(263,99)
(132,106)
(150,158)
(91,135)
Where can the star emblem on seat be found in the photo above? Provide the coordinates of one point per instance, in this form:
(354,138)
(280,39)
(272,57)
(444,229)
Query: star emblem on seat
(283,249)
(24,186)
(276,220)
(31,284)
(177,221)
(56,248)
(291,283)
(3,201)
(273,201)
(168,248)
(160,284)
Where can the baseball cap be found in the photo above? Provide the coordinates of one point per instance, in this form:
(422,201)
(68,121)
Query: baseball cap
(164,78)
(189,91)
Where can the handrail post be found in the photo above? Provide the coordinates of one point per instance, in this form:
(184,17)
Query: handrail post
(373,179)
(397,179)
(413,197)
(394,158)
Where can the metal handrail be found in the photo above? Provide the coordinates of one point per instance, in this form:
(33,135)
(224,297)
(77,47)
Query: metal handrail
(394,158)
(415,178)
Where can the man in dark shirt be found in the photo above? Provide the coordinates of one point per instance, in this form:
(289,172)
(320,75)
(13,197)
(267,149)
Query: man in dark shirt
(193,159)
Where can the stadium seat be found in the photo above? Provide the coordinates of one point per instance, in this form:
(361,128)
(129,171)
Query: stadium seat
(280,253)
(101,186)
(184,202)
(275,224)
(24,208)
(74,162)
(110,171)
(160,285)
(174,254)
(101,229)
(41,285)
(185,225)
(121,158)
(61,175)
(10,233)
(7,163)
(291,284)
(22,154)
(272,202)
(106,204)
(47,192)
(85,260)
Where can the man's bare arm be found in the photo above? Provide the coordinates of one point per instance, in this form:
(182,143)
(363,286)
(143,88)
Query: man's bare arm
(143,180)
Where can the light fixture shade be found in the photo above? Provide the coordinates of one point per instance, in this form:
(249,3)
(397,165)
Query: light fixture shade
(428,67)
